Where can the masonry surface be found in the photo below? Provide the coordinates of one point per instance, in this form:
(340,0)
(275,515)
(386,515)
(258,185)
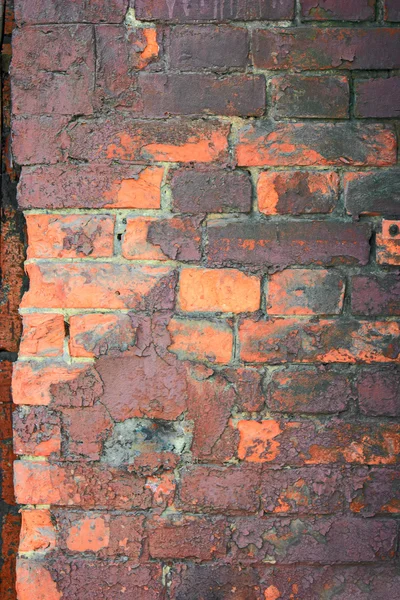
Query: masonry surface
(207,387)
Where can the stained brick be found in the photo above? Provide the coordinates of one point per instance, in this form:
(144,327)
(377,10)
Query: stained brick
(373,193)
(378,391)
(388,243)
(201,340)
(392,11)
(28,130)
(85,430)
(94,334)
(375,295)
(37,431)
(377,97)
(340,10)
(43,335)
(48,11)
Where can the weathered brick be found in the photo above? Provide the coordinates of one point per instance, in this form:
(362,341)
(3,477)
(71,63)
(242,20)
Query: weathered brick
(198,581)
(85,430)
(70,236)
(43,335)
(323,144)
(378,391)
(377,97)
(372,491)
(94,334)
(262,243)
(48,11)
(187,537)
(392,10)
(182,12)
(201,340)
(340,10)
(303,96)
(198,94)
(149,238)
(46,78)
(37,531)
(310,48)
(74,484)
(99,285)
(375,295)
(324,540)
(37,431)
(247,384)
(90,186)
(305,292)
(227,490)
(208,47)
(178,140)
(286,340)
(218,290)
(32,579)
(6,368)
(210,191)
(388,243)
(49,130)
(373,193)
(308,390)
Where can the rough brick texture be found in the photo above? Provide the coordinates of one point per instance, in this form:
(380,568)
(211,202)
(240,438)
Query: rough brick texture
(207,387)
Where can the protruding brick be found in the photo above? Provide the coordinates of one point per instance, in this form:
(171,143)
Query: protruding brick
(303,96)
(94,334)
(98,285)
(201,340)
(340,10)
(267,244)
(70,236)
(48,11)
(264,143)
(297,192)
(388,243)
(375,295)
(90,186)
(378,391)
(210,191)
(308,390)
(218,290)
(373,193)
(34,580)
(311,48)
(149,238)
(37,531)
(305,292)
(285,340)
(43,335)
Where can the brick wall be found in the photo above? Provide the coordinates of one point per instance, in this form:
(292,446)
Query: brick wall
(208,384)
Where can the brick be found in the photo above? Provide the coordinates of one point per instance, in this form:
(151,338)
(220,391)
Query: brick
(33,579)
(305,292)
(183,12)
(304,96)
(373,193)
(48,11)
(247,384)
(120,52)
(90,186)
(37,431)
(267,244)
(210,191)
(98,285)
(95,334)
(6,368)
(309,48)
(85,430)
(149,238)
(340,10)
(201,340)
(177,140)
(372,491)
(309,390)
(48,80)
(227,490)
(392,11)
(43,335)
(388,243)
(208,47)
(218,290)
(74,484)
(378,391)
(324,540)
(291,443)
(48,129)
(37,531)
(264,143)
(187,537)
(10,538)
(377,97)
(286,340)
(197,581)
(375,295)
(70,236)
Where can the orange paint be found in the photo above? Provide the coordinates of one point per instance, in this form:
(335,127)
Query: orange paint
(135,245)
(257,440)
(89,535)
(272,593)
(152,48)
(35,582)
(142,192)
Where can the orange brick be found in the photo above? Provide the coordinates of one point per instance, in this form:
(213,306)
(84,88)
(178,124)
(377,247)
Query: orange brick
(37,531)
(388,243)
(201,340)
(34,581)
(136,245)
(97,333)
(218,290)
(70,236)
(89,535)
(38,482)
(43,335)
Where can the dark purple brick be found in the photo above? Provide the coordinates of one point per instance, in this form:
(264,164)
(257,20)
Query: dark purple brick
(378,390)
(378,97)
(338,10)
(215,582)
(373,193)
(376,295)
(76,11)
(310,96)
(392,10)
(210,191)
(373,491)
